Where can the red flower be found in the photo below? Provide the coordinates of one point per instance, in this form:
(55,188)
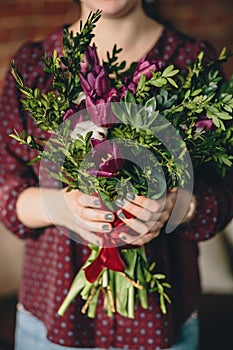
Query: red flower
(107,157)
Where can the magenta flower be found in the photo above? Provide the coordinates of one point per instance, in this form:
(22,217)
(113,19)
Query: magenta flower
(98,89)
(99,108)
(90,60)
(102,83)
(74,108)
(204,123)
(70,114)
(107,157)
(92,71)
(146,67)
(99,95)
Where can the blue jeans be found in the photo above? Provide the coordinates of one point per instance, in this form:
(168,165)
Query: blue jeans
(30,334)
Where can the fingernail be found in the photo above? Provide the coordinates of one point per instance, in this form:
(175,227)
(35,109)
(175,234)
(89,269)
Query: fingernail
(96,202)
(98,242)
(121,215)
(120,202)
(105,228)
(124,238)
(130,196)
(109,217)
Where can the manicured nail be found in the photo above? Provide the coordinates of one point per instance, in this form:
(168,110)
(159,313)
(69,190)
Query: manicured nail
(97,202)
(105,228)
(120,202)
(130,196)
(121,215)
(124,238)
(109,217)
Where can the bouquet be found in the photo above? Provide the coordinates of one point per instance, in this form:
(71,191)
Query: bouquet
(115,131)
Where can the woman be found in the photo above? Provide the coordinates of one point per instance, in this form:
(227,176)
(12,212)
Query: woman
(52,259)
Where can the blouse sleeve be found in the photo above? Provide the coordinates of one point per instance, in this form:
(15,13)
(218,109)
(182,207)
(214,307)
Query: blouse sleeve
(15,173)
(214,194)
(214,208)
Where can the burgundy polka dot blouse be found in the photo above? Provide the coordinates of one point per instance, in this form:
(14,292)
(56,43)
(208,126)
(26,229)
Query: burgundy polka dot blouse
(52,259)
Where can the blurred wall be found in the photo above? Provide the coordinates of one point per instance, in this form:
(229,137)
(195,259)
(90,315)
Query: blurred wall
(22,20)
(211,20)
(11,260)
(32,19)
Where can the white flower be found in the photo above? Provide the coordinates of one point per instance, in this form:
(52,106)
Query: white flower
(82,128)
(80,98)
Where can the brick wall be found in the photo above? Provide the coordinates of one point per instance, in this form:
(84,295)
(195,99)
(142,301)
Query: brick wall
(21,20)
(33,19)
(211,20)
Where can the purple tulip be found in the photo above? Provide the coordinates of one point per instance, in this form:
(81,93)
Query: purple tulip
(90,60)
(99,108)
(204,123)
(146,67)
(87,82)
(96,85)
(107,157)
(90,70)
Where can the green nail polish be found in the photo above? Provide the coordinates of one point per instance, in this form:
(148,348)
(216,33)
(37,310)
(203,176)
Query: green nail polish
(109,217)
(105,228)
(131,196)
(123,238)
(120,202)
(121,215)
(98,242)
(97,202)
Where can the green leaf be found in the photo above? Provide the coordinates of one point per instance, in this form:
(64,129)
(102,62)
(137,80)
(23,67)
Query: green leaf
(227,98)
(227,108)
(196,92)
(159,276)
(129,98)
(158,82)
(226,161)
(29,139)
(152,266)
(162,304)
(172,82)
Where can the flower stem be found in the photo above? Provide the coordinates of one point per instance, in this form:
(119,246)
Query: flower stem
(75,289)
(135,284)
(89,299)
(110,298)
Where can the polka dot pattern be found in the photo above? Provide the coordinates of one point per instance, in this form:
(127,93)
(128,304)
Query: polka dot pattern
(52,260)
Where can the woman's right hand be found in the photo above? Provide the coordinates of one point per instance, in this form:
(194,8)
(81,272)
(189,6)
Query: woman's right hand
(78,212)
(83,215)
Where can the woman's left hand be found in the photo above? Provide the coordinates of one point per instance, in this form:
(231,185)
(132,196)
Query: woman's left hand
(149,216)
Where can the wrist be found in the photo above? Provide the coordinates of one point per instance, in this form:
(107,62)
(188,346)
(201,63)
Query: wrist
(30,207)
(191,211)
